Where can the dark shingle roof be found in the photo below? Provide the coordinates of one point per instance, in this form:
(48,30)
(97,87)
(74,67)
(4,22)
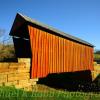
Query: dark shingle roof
(54,30)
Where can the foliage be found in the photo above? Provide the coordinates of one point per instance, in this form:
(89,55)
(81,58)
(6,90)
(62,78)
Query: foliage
(7,52)
(97,52)
(97,56)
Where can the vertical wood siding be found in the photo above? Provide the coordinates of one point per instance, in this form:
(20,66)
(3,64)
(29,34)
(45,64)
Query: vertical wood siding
(54,54)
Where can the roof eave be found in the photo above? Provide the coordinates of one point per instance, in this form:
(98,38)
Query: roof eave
(29,20)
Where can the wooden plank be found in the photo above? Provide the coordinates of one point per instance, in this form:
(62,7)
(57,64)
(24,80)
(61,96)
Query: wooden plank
(49,65)
(50,47)
(43,54)
(79,58)
(46,52)
(89,58)
(59,62)
(57,53)
(31,34)
(35,53)
(48,36)
(66,55)
(82,57)
(76,56)
(38,54)
(92,58)
(85,58)
(72,57)
(73,67)
(62,54)
(69,56)
(53,54)
(53,60)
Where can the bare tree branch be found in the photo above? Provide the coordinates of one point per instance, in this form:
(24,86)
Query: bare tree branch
(2,32)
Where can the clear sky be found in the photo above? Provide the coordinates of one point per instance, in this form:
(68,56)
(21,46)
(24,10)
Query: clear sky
(80,18)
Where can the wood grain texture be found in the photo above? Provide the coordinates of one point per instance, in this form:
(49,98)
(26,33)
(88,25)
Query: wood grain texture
(54,54)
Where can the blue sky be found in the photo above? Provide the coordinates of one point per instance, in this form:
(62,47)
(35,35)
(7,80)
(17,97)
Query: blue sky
(80,18)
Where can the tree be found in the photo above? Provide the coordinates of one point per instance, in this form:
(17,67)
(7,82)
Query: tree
(7,52)
(97,56)
(97,52)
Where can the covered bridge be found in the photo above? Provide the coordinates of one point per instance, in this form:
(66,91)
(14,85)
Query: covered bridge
(50,50)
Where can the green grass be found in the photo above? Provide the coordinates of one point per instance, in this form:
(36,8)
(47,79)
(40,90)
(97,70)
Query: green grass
(10,93)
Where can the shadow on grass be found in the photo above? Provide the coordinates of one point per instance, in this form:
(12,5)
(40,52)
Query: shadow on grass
(72,81)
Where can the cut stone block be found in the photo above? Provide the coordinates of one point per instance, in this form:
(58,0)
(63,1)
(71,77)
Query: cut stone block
(11,83)
(21,76)
(3,78)
(22,70)
(24,60)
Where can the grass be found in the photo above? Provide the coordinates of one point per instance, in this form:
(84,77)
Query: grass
(44,93)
